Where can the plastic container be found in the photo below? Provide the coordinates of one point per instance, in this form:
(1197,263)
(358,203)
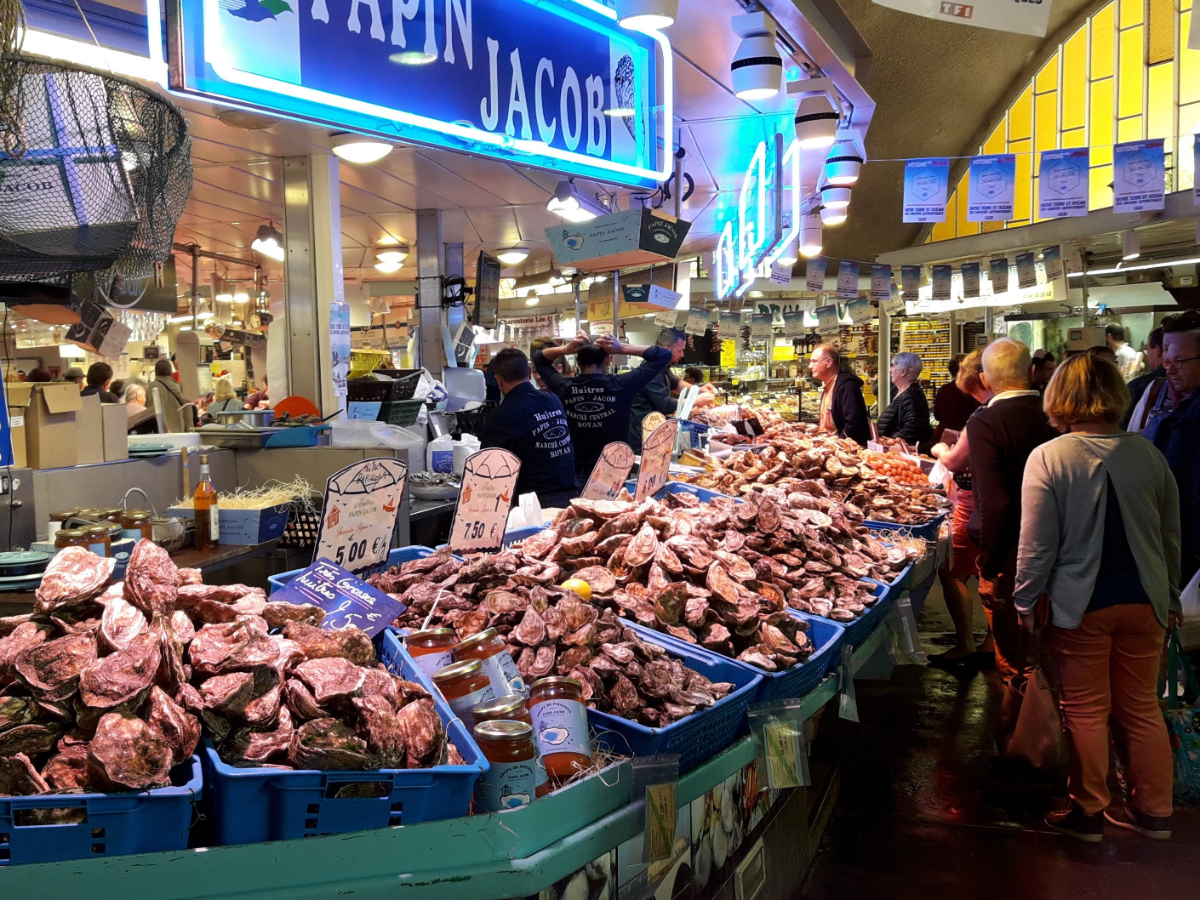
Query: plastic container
(394,558)
(926,531)
(153,821)
(827,638)
(400,412)
(439,455)
(252,805)
(860,629)
(697,737)
(463,450)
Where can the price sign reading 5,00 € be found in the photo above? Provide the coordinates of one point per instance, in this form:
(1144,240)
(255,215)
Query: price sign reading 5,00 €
(488,487)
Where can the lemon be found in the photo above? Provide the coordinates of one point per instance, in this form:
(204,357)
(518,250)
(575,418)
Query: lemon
(579,586)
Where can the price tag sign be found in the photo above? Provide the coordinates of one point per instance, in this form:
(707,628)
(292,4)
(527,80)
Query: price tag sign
(910,280)
(656,459)
(348,601)
(760,325)
(488,486)
(697,322)
(827,319)
(783,743)
(610,472)
(359,513)
(661,809)
(652,421)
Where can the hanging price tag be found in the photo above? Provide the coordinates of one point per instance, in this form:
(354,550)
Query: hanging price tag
(488,486)
(610,472)
(359,513)
(781,273)
(697,322)
(661,810)
(881,282)
(847,284)
(787,759)
(895,306)
(656,459)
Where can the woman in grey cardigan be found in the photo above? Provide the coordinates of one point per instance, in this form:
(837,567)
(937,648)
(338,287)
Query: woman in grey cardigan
(1100,537)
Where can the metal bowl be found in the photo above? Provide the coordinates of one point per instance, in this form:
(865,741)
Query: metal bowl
(255,418)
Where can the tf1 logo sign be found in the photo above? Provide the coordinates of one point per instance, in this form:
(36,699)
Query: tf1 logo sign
(959,10)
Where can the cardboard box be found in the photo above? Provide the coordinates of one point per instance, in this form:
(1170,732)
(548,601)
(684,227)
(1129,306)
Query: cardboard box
(632,238)
(244,526)
(19,398)
(89,432)
(50,426)
(115,422)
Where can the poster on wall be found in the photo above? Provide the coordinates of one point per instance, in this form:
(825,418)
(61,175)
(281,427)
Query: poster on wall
(926,185)
(359,513)
(991,188)
(1138,179)
(998,15)
(1063,183)
(942,278)
(339,349)
(998,273)
(847,283)
(910,281)
(814,274)
(970,279)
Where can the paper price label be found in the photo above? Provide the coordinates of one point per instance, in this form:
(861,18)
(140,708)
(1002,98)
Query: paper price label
(488,486)
(652,421)
(656,459)
(359,513)
(784,751)
(1026,271)
(610,472)
(895,306)
(661,809)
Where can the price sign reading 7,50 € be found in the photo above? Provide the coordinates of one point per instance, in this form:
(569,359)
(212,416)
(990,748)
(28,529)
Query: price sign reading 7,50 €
(656,459)
(359,513)
(609,474)
(488,486)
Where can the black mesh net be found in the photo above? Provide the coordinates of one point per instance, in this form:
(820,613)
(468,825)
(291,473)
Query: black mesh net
(95,172)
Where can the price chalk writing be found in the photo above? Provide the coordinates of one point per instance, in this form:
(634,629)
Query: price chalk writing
(348,601)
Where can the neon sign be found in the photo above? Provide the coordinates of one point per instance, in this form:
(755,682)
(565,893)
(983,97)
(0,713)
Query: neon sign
(551,83)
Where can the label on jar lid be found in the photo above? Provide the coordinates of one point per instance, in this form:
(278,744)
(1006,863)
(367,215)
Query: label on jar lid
(561,727)
(502,673)
(506,785)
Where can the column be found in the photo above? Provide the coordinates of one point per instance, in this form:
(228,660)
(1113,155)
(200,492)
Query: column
(431,354)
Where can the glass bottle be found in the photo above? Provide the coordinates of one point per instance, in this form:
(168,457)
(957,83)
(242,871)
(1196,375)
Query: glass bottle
(208,529)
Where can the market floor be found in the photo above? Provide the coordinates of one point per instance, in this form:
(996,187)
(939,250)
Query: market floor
(925,814)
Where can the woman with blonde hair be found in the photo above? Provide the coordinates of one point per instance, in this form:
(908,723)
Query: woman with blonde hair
(1099,544)
(225,398)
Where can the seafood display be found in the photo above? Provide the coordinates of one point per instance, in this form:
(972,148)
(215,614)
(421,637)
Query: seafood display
(108,687)
(827,466)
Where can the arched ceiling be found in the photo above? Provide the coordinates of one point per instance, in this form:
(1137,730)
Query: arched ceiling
(938,87)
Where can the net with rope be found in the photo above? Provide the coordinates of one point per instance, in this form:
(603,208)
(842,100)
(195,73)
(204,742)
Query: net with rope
(95,172)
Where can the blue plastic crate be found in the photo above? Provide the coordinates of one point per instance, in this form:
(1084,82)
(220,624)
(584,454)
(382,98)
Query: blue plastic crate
(702,734)
(926,531)
(152,821)
(395,558)
(252,805)
(860,629)
(827,637)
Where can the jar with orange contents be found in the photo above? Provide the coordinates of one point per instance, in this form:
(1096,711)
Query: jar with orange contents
(560,723)
(464,684)
(489,648)
(512,708)
(430,649)
(508,782)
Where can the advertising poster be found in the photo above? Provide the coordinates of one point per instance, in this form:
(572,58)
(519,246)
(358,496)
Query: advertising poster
(1063,183)
(970,279)
(339,348)
(998,273)
(827,319)
(1052,262)
(881,282)
(847,283)
(359,513)
(1026,271)
(861,311)
(910,281)
(488,486)
(926,184)
(697,322)
(991,188)
(1138,179)
(814,275)
(760,326)
(793,323)
(942,277)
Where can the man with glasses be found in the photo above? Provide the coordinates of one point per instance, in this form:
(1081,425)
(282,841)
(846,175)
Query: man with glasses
(1178,435)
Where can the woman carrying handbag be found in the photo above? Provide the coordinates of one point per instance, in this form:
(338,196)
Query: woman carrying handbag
(1100,536)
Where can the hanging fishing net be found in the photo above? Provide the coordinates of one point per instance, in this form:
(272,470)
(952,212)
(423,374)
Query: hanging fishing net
(95,172)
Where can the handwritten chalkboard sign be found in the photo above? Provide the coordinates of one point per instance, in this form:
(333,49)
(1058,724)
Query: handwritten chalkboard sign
(348,601)
(488,486)
(610,472)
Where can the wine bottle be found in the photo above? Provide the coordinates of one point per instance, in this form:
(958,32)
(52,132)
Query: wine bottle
(208,529)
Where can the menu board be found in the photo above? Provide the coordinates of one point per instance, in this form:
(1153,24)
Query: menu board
(610,472)
(488,485)
(359,513)
(656,459)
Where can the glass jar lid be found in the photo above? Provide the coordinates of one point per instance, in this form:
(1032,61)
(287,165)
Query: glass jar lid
(457,670)
(428,633)
(466,643)
(499,707)
(557,681)
(503,730)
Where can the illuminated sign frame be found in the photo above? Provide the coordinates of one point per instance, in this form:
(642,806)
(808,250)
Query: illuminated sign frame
(201,65)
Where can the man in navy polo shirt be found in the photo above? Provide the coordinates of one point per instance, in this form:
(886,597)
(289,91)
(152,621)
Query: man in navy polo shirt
(531,424)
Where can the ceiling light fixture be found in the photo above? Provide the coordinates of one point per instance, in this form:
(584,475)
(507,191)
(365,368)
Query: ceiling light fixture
(358,149)
(392,255)
(832,217)
(532,300)
(569,203)
(269,242)
(810,236)
(757,67)
(645,15)
(843,164)
(816,122)
(1118,270)
(835,197)
(789,257)
(241,297)
(387,268)
(512,256)
(1131,245)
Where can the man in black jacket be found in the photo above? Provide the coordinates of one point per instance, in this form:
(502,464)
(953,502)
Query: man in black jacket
(1001,438)
(843,409)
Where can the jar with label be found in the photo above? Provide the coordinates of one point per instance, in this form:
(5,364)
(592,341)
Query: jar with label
(430,649)
(98,540)
(512,708)
(70,537)
(560,723)
(464,684)
(58,520)
(492,652)
(113,515)
(509,781)
(136,524)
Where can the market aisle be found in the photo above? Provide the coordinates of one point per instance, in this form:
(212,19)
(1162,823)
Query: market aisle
(924,815)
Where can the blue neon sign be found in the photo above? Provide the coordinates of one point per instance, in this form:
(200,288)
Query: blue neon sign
(551,83)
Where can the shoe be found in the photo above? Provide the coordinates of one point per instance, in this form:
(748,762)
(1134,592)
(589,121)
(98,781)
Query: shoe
(1157,828)
(1077,824)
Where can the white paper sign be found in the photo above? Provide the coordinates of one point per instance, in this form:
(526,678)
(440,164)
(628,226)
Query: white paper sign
(666,319)
(793,324)
(1138,179)
(998,15)
(610,472)
(814,274)
(861,311)
(488,486)
(658,295)
(1026,271)
(942,277)
(760,325)
(881,282)
(910,280)
(1063,183)
(697,322)
(359,512)
(781,273)
(656,459)
(895,306)
(847,284)
(970,279)
(827,319)
(1052,262)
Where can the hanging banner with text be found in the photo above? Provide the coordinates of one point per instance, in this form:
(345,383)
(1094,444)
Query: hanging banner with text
(881,282)
(697,322)
(998,15)
(1138,180)
(847,285)
(730,326)
(910,281)
(1026,270)
(359,512)
(760,326)
(814,274)
(1052,262)
(656,459)
(970,279)
(1063,183)
(942,277)
(926,184)
(793,324)
(488,486)
(827,319)
(998,274)
(991,188)
(610,472)
(861,311)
